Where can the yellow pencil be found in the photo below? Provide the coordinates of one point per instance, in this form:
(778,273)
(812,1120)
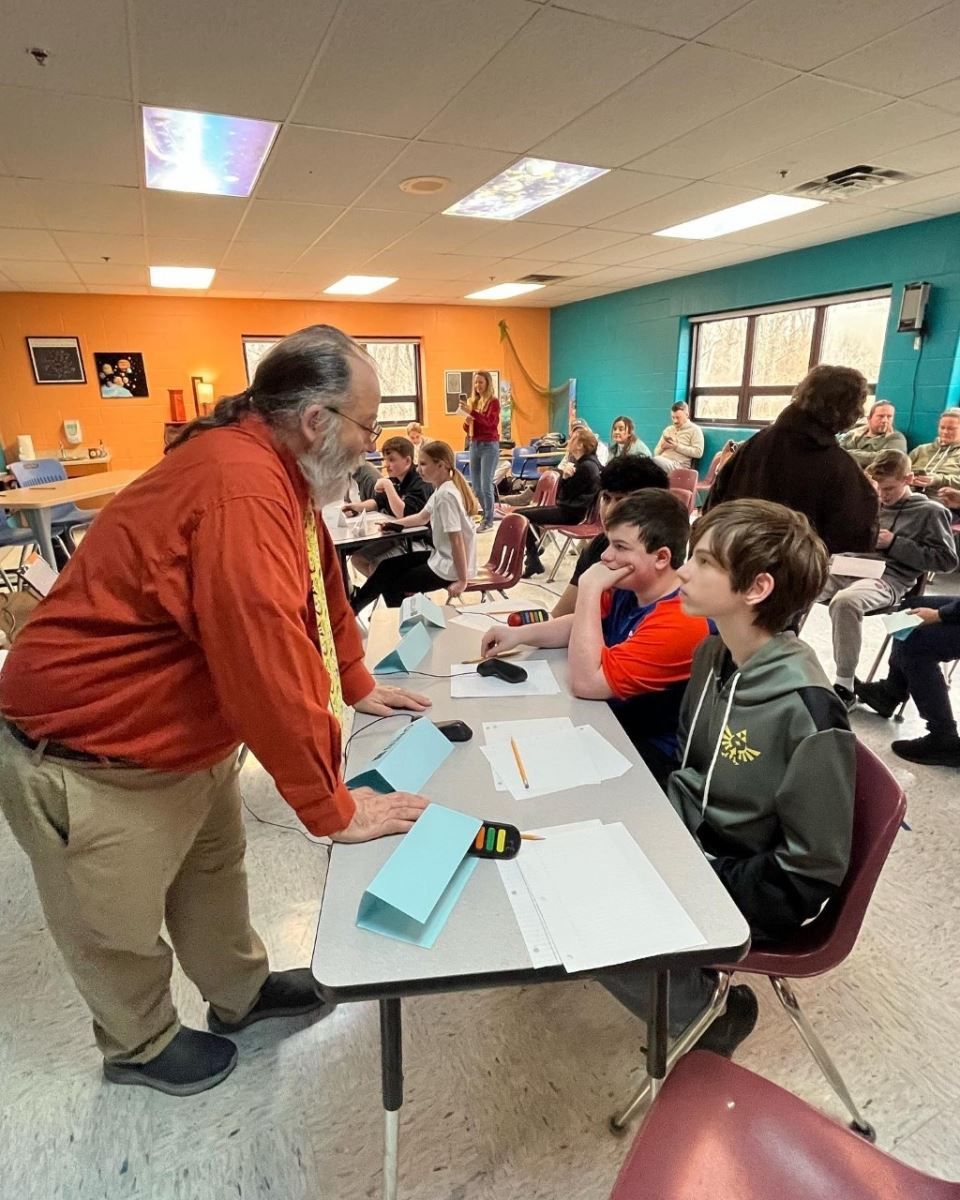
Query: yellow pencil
(531,837)
(516,755)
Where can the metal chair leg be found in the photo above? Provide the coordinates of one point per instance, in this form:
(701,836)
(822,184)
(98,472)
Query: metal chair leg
(788,999)
(898,715)
(694,1031)
(876,662)
(559,560)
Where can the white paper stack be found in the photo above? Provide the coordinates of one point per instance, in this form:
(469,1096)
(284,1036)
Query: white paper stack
(556,756)
(857,568)
(465,683)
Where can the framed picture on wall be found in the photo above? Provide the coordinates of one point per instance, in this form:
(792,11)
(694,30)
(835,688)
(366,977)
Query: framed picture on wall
(460,383)
(121,374)
(56,359)
(255,346)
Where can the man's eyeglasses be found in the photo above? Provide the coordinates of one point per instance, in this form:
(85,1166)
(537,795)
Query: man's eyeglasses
(373,430)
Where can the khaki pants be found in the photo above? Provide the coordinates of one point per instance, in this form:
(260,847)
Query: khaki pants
(116,851)
(850,599)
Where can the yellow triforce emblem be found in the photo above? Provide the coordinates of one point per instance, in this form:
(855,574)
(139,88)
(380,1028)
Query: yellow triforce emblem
(734,748)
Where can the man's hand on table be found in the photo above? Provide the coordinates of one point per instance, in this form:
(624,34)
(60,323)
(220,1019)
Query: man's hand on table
(378,815)
(385,700)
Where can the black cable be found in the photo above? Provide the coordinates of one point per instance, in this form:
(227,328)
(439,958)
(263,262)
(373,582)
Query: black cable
(277,825)
(913,385)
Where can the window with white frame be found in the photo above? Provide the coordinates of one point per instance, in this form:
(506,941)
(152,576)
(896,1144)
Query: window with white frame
(745,365)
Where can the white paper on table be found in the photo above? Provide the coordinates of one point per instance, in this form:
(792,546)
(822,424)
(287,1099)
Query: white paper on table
(475,621)
(541,949)
(503,731)
(465,683)
(894,622)
(601,900)
(609,761)
(858,568)
(554,762)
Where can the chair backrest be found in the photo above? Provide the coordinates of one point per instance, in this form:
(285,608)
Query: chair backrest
(43,470)
(506,557)
(545,493)
(462,460)
(684,477)
(718,1130)
(711,471)
(878,809)
(685,495)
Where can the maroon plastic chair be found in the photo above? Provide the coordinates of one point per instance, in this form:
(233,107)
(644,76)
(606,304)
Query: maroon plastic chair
(684,495)
(684,477)
(719,1132)
(706,483)
(545,493)
(586,531)
(879,808)
(505,565)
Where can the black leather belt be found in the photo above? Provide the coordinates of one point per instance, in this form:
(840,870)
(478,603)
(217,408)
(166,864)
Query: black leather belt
(59,750)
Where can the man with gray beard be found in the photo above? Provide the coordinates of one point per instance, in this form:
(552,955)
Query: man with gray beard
(204,609)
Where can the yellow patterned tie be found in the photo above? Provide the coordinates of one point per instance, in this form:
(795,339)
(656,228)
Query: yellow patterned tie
(324,628)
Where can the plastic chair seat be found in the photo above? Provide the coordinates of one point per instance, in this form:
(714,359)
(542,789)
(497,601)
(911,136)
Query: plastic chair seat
(719,1132)
(504,567)
(684,477)
(48,470)
(10,536)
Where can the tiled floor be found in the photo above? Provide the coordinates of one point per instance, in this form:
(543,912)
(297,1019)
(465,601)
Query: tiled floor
(507,1091)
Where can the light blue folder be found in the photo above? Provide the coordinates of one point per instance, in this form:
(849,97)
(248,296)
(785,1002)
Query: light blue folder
(421,608)
(415,890)
(408,652)
(407,761)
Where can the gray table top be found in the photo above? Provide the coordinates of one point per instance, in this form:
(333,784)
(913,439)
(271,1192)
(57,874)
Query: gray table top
(481,937)
(346,536)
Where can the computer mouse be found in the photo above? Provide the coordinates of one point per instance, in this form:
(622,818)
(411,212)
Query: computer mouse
(501,670)
(391,527)
(455,731)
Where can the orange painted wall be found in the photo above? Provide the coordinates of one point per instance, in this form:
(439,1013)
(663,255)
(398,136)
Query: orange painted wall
(180,337)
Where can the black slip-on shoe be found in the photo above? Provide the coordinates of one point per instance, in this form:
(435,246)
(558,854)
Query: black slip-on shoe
(285,994)
(934,750)
(734,1026)
(193,1062)
(878,697)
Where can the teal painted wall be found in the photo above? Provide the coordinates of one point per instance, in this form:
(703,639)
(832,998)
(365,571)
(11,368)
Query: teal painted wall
(628,351)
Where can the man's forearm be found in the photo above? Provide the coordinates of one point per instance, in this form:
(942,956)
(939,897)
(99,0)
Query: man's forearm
(586,647)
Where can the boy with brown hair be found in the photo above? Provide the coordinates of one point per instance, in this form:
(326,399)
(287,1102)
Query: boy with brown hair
(766,783)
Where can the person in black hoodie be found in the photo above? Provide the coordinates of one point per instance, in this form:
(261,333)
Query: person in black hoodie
(797,461)
(576,494)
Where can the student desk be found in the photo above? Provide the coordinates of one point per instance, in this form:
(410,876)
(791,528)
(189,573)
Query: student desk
(481,945)
(346,539)
(37,502)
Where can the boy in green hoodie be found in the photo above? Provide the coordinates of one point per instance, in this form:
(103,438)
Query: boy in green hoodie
(766,783)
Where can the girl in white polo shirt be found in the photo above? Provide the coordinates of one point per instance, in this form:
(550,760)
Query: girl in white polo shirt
(450,513)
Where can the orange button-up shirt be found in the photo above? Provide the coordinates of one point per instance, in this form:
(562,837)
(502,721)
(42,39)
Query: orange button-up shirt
(185,625)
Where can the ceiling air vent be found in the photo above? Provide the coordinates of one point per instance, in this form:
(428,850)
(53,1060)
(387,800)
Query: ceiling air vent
(542,278)
(852,181)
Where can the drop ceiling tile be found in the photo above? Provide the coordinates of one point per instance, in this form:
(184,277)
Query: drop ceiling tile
(568,270)
(466,170)
(580,243)
(267,220)
(513,237)
(802,107)
(544,92)
(64,288)
(631,251)
(913,59)
(813,221)
(364,231)
(930,156)
(440,234)
(806,33)
(690,87)
(107,274)
(604,197)
(85,39)
(946,95)
(237,282)
(94,247)
(35,245)
(240,59)
(424,55)
(318,166)
(685,20)
(7,285)
(427,266)
(68,138)
(38,272)
(605,275)
(86,207)
(867,139)
(944,185)
(885,219)
(185,252)
(293,284)
(179,214)
(16,210)
(261,256)
(104,289)
(697,252)
(695,200)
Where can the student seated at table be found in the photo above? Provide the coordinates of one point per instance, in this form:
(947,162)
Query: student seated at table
(630,643)
(914,538)
(766,782)
(452,560)
(576,493)
(621,477)
(399,493)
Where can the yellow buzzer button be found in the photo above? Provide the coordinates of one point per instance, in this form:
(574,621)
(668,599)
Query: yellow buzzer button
(501,840)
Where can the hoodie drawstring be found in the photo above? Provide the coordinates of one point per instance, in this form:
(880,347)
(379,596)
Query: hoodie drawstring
(723,725)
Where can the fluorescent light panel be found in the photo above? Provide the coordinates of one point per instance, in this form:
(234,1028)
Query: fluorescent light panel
(503,291)
(359,285)
(182,277)
(528,184)
(204,152)
(741,216)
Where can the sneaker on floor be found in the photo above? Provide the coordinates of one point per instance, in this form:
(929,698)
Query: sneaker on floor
(934,750)
(193,1062)
(848,698)
(535,568)
(285,994)
(878,697)
(734,1026)
(484,526)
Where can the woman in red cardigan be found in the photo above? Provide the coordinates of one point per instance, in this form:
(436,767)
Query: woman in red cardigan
(482,426)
